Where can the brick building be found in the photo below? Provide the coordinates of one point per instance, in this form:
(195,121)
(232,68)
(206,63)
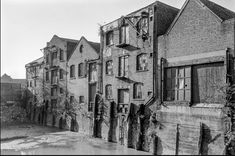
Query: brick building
(82,82)
(35,86)
(195,60)
(128,56)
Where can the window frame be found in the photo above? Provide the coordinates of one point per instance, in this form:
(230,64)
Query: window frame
(110,97)
(81,48)
(81,70)
(61,55)
(135,88)
(109,40)
(124,38)
(61,74)
(138,62)
(106,67)
(80,97)
(126,67)
(72,71)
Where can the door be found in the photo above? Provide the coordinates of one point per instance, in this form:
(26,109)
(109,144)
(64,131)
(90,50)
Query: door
(123,103)
(92,91)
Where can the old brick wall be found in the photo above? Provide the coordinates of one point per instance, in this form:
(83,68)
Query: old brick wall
(78,86)
(196,31)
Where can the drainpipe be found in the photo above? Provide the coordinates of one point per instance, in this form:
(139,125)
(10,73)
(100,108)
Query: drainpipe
(100,78)
(155,60)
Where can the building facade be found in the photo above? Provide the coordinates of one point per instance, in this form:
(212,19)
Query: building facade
(128,56)
(195,66)
(82,82)
(35,92)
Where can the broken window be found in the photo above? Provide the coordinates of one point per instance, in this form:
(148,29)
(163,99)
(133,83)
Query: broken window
(124,34)
(109,38)
(61,74)
(81,99)
(81,69)
(71,99)
(142,62)
(142,27)
(109,67)
(108,91)
(92,72)
(61,55)
(72,71)
(178,84)
(123,66)
(137,91)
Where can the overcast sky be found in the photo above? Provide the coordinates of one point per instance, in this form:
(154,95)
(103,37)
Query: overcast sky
(26,25)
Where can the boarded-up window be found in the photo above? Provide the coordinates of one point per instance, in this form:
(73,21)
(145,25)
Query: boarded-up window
(81,69)
(142,62)
(124,34)
(92,72)
(207,79)
(178,84)
(108,91)
(72,71)
(123,66)
(137,94)
(109,38)
(109,67)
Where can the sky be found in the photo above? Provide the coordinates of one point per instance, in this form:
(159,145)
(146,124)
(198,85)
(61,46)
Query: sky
(26,25)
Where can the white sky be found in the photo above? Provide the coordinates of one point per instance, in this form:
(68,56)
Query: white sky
(26,25)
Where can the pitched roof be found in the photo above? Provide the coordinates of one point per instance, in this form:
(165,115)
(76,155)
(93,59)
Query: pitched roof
(95,45)
(165,15)
(7,79)
(220,11)
(37,61)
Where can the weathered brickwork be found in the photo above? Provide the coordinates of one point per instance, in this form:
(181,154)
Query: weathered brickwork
(196,31)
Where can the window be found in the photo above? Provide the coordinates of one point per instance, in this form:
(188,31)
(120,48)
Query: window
(54,76)
(81,69)
(109,67)
(142,26)
(61,74)
(123,66)
(108,91)
(72,71)
(205,80)
(54,55)
(81,48)
(61,55)
(47,76)
(178,84)
(47,58)
(71,99)
(53,91)
(30,83)
(142,63)
(35,83)
(109,38)
(124,34)
(61,91)
(92,72)
(81,99)
(137,91)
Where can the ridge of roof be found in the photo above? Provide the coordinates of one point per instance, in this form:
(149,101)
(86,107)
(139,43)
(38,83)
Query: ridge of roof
(39,60)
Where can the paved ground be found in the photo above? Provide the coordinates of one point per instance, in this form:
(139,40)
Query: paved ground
(44,140)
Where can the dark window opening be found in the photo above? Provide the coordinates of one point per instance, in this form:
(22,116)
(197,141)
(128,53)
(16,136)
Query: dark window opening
(109,38)
(81,69)
(72,71)
(137,91)
(142,62)
(123,66)
(81,49)
(81,99)
(108,91)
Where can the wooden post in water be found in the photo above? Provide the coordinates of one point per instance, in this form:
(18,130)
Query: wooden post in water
(177,140)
